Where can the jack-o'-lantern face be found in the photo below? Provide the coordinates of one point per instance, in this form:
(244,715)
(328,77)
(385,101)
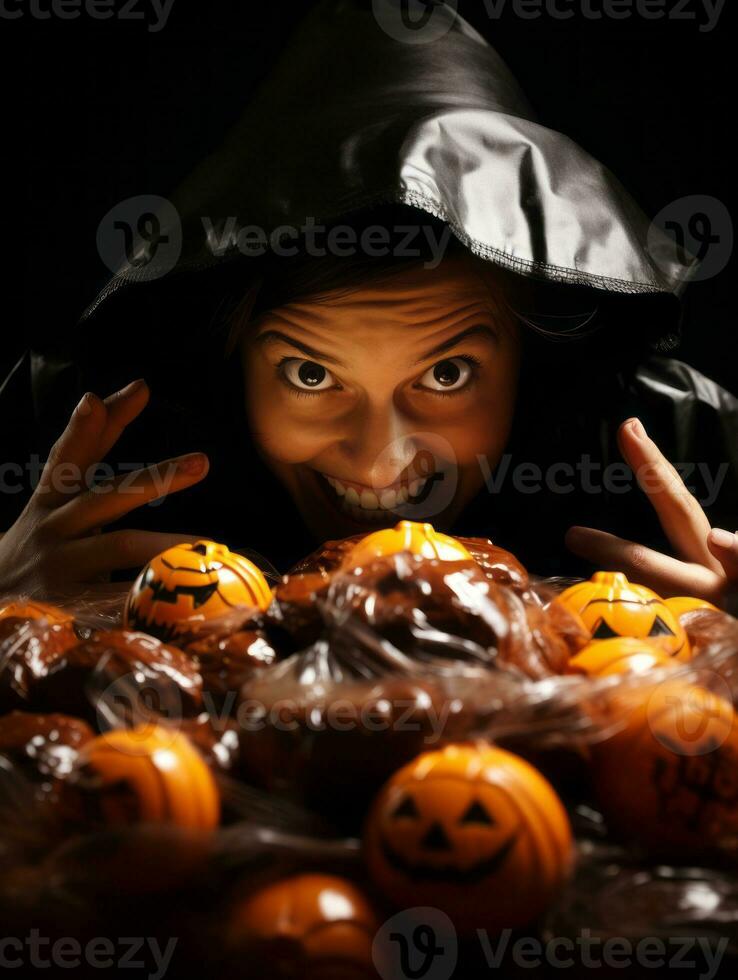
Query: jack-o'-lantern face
(477,832)
(189,584)
(668,777)
(611,606)
(145,775)
(418,539)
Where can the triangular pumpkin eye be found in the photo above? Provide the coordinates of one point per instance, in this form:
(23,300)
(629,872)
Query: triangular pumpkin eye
(477,814)
(660,628)
(604,631)
(406,808)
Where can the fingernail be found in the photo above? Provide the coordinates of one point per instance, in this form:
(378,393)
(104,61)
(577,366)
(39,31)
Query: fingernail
(192,465)
(723,539)
(132,387)
(636,427)
(85,405)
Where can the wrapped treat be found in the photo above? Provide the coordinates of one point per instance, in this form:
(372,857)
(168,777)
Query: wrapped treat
(435,609)
(227,653)
(497,564)
(163,674)
(28,648)
(309,925)
(313,728)
(43,747)
(217,740)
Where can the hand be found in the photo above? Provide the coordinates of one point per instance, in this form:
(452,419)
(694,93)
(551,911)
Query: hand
(56,545)
(706,565)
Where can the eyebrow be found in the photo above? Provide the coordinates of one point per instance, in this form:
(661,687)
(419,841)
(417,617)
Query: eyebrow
(480,330)
(276,336)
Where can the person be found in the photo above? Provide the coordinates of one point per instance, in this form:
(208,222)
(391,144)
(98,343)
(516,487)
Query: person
(493,377)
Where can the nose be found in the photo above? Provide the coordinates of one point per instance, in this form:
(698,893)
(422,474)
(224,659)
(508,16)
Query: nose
(378,441)
(436,839)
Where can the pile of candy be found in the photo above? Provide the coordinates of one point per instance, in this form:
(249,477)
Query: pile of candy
(406,721)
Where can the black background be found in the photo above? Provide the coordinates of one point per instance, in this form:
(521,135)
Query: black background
(105,110)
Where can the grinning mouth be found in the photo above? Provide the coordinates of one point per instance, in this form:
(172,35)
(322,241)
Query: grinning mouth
(363,504)
(450,874)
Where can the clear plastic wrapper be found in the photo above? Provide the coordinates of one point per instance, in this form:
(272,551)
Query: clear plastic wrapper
(302,713)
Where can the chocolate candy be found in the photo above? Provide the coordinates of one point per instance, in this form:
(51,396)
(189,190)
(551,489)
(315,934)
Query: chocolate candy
(27,649)
(308,926)
(427,608)
(496,563)
(334,750)
(163,677)
(216,739)
(226,662)
(43,747)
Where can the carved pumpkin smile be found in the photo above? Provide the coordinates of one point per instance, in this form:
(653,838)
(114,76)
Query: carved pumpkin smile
(474,831)
(610,606)
(191,583)
(449,873)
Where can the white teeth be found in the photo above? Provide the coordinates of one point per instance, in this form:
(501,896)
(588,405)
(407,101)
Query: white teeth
(368,504)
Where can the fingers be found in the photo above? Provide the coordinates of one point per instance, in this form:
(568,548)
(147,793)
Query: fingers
(666,576)
(92,430)
(92,557)
(683,520)
(72,452)
(123,407)
(724,546)
(114,499)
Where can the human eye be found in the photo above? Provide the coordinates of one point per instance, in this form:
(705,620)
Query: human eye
(306,376)
(449,375)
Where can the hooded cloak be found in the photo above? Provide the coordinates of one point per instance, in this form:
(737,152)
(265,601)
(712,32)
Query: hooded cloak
(356,118)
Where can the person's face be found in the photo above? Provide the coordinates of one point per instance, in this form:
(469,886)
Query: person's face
(374,405)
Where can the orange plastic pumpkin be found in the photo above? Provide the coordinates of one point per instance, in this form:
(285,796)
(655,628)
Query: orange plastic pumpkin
(681,605)
(310,925)
(474,831)
(619,655)
(418,539)
(191,583)
(147,775)
(612,606)
(35,610)
(669,776)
